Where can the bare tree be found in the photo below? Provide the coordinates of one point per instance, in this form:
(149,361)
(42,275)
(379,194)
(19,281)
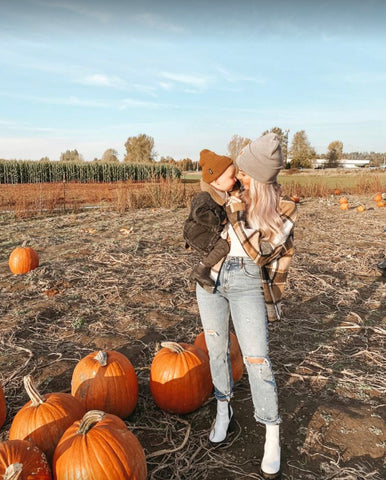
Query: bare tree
(236,144)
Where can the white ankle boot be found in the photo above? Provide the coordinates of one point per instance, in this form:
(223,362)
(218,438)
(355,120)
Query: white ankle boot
(270,464)
(223,420)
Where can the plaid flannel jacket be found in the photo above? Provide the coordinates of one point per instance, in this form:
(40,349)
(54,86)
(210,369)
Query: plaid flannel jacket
(275,264)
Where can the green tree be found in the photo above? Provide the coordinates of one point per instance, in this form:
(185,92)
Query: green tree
(236,144)
(334,154)
(139,149)
(110,156)
(44,159)
(71,156)
(301,152)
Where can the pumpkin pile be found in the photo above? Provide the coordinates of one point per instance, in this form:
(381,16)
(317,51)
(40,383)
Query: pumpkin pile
(343,202)
(67,433)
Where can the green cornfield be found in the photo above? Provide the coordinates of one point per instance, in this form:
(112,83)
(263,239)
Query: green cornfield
(21,171)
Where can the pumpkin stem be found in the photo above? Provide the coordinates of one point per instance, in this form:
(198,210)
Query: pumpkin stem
(24,244)
(34,395)
(101,357)
(89,420)
(13,471)
(173,346)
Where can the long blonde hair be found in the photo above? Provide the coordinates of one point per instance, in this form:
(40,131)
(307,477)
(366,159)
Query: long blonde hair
(262,201)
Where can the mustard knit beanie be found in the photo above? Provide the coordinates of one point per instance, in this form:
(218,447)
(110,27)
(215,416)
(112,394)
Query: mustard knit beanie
(213,165)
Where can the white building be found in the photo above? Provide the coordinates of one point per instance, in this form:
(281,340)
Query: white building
(344,163)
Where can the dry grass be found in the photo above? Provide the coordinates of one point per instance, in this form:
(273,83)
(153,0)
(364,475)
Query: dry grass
(119,280)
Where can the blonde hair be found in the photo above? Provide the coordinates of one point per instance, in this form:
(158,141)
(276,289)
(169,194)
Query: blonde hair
(262,201)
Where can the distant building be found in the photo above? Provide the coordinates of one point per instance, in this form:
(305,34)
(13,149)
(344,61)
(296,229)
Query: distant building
(344,163)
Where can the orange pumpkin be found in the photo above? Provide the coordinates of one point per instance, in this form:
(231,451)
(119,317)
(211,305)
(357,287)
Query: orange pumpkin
(234,350)
(295,198)
(106,380)
(22,260)
(180,380)
(378,197)
(344,206)
(45,417)
(360,208)
(381,203)
(3,408)
(337,191)
(343,200)
(100,447)
(21,459)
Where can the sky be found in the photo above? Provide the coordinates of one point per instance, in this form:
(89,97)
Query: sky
(89,74)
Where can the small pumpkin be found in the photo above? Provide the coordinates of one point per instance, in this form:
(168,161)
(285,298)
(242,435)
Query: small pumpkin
(344,206)
(3,407)
(337,191)
(360,208)
(295,198)
(343,200)
(100,447)
(23,259)
(45,417)
(378,197)
(180,380)
(234,351)
(381,203)
(22,460)
(106,380)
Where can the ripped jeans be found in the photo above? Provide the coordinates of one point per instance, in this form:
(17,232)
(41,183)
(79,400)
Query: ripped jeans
(239,294)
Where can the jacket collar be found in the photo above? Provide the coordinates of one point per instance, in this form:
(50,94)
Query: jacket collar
(218,196)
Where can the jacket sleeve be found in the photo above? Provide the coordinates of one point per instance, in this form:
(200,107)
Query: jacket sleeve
(204,214)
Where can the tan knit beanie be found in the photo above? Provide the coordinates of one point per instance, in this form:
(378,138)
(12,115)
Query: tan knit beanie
(213,165)
(262,158)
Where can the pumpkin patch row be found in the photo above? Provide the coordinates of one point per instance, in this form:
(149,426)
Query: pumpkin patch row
(82,434)
(378,198)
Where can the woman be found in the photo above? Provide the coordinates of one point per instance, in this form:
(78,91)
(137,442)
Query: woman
(248,286)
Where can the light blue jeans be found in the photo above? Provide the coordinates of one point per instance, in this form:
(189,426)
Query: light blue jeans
(239,294)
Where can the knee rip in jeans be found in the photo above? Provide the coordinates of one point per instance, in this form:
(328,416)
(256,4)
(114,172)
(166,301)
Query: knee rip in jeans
(212,332)
(256,361)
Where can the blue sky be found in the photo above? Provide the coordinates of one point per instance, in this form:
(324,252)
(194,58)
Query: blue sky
(88,74)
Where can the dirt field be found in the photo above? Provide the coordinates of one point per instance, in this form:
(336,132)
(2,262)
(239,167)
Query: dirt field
(120,281)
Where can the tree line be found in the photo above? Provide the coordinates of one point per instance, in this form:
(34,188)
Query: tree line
(300,154)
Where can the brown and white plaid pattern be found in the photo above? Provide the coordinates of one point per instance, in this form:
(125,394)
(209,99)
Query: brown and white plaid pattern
(275,265)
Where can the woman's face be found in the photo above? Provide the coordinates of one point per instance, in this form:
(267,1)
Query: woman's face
(244,179)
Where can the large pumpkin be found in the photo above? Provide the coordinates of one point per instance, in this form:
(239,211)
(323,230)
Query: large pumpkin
(3,407)
(23,259)
(234,350)
(106,380)
(99,447)
(180,380)
(45,418)
(22,460)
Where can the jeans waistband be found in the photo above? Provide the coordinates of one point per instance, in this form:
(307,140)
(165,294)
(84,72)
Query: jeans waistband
(237,260)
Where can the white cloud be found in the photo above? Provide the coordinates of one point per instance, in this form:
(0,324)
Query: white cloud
(101,80)
(195,81)
(71,101)
(131,102)
(232,77)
